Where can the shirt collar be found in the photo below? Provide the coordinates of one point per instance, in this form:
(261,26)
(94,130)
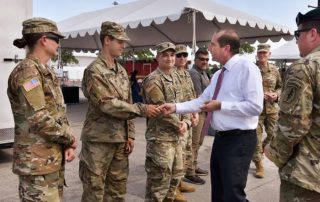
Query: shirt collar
(166,76)
(231,62)
(264,68)
(315,50)
(108,64)
(43,67)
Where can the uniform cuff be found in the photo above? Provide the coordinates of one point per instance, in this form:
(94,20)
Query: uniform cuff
(143,109)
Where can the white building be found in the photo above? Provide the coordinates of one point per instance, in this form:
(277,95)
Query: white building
(13,12)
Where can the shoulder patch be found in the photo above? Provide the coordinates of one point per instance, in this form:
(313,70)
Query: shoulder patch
(31,84)
(291,94)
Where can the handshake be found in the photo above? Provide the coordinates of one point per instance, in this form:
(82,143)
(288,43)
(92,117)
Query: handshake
(155,110)
(169,108)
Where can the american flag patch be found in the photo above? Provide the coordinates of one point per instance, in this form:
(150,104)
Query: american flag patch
(31,84)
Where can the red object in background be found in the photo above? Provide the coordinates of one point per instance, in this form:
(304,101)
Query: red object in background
(144,67)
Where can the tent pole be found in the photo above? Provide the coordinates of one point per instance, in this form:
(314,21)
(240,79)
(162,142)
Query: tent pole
(194,39)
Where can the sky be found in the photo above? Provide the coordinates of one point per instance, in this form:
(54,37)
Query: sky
(282,12)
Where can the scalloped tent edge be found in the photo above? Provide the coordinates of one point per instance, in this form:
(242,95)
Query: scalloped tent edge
(149,22)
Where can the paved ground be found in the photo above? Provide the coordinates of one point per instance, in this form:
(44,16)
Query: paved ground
(258,190)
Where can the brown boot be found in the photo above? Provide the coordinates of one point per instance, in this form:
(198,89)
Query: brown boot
(180,197)
(259,170)
(184,187)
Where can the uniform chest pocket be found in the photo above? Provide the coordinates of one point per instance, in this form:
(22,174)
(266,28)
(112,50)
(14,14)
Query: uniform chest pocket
(118,85)
(170,93)
(53,95)
(269,82)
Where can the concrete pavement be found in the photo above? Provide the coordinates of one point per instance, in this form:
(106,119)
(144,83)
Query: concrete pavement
(258,190)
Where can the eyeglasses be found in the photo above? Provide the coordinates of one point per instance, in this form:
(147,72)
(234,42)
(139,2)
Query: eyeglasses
(54,38)
(298,32)
(203,59)
(179,55)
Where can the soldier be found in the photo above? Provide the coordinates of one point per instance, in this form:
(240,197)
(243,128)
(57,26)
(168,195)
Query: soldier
(43,137)
(164,164)
(108,132)
(200,81)
(296,144)
(188,94)
(271,82)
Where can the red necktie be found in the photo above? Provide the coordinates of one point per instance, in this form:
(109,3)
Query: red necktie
(215,94)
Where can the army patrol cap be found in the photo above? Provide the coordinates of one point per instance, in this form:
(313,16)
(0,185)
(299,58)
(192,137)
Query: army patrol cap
(180,48)
(165,46)
(40,25)
(113,29)
(313,15)
(263,47)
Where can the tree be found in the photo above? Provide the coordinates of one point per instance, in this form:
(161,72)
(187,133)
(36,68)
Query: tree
(246,48)
(67,57)
(143,54)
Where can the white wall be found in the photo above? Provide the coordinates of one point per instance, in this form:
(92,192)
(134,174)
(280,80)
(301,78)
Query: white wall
(85,60)
(13,12)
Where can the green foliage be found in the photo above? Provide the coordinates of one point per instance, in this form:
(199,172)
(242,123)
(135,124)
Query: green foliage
(67,57)
(246,48)
(213,68)
(144,54)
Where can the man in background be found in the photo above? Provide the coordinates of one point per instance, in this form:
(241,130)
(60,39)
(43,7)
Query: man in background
(271,82)
(200,81)
(186,140)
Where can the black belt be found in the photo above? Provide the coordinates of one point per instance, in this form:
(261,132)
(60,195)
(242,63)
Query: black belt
(233,132)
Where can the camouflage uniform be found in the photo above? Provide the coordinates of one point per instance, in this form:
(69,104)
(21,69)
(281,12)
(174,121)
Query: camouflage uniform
(103,162)
(296,144)
(271,82)
(188,94)
(164,165)
(42,130)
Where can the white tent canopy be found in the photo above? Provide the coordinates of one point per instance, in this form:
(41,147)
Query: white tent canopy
(149,22)
(287,52)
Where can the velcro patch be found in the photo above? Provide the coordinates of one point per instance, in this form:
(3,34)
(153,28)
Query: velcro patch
(31,84)
(291,94)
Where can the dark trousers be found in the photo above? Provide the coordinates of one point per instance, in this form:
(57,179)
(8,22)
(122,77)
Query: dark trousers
(231,155)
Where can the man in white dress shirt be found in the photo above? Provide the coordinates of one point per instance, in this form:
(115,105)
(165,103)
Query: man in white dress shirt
(235,111)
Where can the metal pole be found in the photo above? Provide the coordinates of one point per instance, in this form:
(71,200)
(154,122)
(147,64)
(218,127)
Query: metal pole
(194,38)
